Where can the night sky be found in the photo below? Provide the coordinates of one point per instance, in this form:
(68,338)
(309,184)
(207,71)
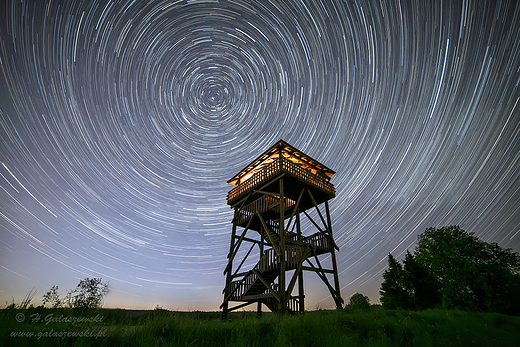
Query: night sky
(121,122)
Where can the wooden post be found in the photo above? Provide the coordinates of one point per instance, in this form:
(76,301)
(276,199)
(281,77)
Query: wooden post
(301,296)
(338,298)
(281,227)
(259,304)
(229,268)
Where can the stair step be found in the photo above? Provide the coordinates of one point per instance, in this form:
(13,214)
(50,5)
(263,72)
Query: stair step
(258,287)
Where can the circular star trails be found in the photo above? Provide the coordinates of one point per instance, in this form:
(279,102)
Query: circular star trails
(121,122)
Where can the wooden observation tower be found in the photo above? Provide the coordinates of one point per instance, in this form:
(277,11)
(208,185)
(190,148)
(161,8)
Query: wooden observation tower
(269,253)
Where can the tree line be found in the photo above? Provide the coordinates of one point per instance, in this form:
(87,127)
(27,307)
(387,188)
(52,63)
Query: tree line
(451,268)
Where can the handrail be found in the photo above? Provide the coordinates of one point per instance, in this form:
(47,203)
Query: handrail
(299,172)
(261,204)
(259,177)
(294,304)
(240,287)
(319,240)
(275,168)
(270,260)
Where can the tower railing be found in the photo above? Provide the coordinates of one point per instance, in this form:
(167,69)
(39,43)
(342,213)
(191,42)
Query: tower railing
(270,259)
(262,204)
(276,167)
(319,240)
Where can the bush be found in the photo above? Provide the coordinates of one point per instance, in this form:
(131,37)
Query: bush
(359,301)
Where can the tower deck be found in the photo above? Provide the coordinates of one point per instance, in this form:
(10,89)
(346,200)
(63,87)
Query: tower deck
(265,180)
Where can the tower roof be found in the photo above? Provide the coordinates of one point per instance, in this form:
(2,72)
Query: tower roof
(289,153)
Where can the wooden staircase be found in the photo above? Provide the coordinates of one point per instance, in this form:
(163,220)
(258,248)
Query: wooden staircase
(259,283)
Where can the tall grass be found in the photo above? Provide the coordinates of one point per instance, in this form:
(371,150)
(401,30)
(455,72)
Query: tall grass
(371,327)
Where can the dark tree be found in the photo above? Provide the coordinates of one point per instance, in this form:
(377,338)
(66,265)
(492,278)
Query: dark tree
(89,293)
(473,275)
(394,292)
(450,255)
(52,298)
(422,287)
(359,301)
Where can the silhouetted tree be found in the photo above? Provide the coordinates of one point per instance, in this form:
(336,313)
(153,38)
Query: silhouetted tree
(421,286)
(394,293)
(473,275)
(359,301)
(52,298)
(89,293)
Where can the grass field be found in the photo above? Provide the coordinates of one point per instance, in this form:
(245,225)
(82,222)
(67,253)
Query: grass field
(372,327)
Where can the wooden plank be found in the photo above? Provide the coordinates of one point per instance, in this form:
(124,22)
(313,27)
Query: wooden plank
(327,210)
(305,254)
(313,222)
(281,231)
(253,241)
(317,209)
(240,306)
(241,274)
(266,193)
(306,268)
(321,274)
